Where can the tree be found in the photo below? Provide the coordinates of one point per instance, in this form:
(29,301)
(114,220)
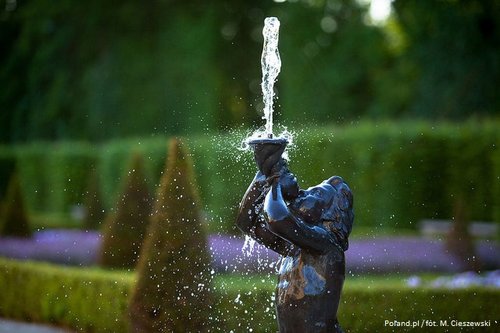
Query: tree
(454,46)
(173,288)
(61,58)
(124,230)
(331,64)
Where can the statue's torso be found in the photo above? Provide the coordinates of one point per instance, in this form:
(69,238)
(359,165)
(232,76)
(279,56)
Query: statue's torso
(308,291)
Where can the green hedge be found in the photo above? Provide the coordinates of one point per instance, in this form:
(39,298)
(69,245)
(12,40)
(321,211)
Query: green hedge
(33,171)
(92,300)
(88,300)
(114,158)
(400,172)
(54,176)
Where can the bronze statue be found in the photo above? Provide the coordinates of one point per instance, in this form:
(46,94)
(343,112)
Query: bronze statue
(309,228)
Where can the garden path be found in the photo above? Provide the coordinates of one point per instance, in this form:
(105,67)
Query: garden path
(10,326)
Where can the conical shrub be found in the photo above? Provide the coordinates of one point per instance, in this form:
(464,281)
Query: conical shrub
(173,288)
(14,221)
(124,230)
(459,241)
(94,207)
(7,168)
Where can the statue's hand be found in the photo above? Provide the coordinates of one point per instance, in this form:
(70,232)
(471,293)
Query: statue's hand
(274,205)
(288,182)
(260,180)
(289,186)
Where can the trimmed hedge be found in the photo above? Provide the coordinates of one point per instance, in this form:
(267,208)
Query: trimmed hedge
(95,212)
(92,300)
(88,300)
(33,171)
(399,172)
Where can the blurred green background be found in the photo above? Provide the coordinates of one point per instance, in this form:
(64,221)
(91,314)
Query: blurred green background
(97,70)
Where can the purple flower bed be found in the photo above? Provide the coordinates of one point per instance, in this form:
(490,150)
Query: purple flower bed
(71,247)
(377,255)
(413,254)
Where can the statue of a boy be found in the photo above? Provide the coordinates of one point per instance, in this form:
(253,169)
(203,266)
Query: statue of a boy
(310,229)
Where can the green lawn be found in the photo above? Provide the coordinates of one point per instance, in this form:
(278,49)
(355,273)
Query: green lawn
(236,282)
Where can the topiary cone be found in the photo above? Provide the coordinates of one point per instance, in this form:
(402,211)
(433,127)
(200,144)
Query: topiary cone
(459,242)
(172,293)
(15,219)
(124,230)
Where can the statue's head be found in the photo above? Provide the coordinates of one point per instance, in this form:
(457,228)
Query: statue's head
(330,201)
(340,212)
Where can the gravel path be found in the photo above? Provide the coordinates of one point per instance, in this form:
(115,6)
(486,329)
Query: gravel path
(10,326)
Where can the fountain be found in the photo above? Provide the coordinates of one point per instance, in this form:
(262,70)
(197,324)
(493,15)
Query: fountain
(308,228)
(271,66)
(264,143)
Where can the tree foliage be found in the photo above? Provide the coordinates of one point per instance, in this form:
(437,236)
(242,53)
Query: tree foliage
(173,288)
(98,70)
(454,47)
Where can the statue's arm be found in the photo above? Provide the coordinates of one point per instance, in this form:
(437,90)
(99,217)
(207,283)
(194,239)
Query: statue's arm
(250,204)
(248,220)
(264,236)
(283,224)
